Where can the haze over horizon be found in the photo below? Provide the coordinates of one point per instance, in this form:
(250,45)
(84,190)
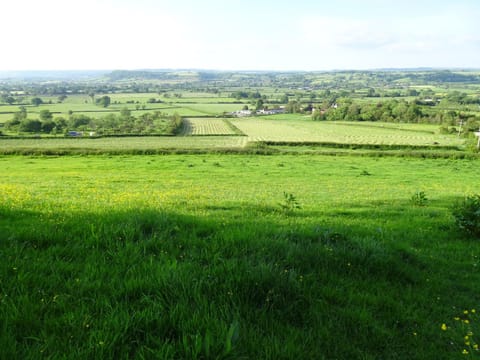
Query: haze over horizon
(239,35)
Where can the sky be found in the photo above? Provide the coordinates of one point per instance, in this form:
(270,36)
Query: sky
(276,35)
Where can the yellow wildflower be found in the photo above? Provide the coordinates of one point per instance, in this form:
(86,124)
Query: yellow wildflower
(465,352)
(444,327)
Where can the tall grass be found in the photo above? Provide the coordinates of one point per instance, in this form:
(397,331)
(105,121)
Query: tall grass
(148,257)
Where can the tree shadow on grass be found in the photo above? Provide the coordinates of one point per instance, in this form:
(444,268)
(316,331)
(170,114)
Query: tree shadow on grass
(144,281)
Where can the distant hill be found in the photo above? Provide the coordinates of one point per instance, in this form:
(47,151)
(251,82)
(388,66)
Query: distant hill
(47,75)
(165,74)
(411,75)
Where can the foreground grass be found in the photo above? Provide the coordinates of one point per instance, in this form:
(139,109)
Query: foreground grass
(193,257)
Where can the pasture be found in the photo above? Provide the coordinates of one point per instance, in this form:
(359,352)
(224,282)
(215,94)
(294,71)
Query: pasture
(302,129)
(147,257)
(237,238)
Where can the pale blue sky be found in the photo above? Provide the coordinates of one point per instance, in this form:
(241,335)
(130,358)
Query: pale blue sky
(239,35)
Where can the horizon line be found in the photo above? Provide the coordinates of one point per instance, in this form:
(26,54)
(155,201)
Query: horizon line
(240,70)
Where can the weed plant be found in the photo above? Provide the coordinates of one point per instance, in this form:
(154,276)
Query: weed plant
(467,214)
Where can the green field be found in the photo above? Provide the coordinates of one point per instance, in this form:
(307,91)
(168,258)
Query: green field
(202,256)
(298,129)
(119,144)
(171,230)
(189,104)
(207,126)
(237,133)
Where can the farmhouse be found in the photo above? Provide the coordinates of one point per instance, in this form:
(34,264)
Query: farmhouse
(242,113)
(280,110)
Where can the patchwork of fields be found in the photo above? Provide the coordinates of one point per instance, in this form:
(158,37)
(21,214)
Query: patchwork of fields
(215,133)
(113,249)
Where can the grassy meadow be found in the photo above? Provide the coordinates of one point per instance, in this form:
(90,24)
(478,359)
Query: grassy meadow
(236,256)
(205,236)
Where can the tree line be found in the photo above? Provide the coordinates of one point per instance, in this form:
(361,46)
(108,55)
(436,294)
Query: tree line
(400,111)
(112,124)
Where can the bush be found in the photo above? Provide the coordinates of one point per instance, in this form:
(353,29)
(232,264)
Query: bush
(289,204)
(419,199)
(467,215)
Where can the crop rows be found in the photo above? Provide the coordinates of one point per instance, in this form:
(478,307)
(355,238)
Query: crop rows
(308,131)
(124,143)
(206,126)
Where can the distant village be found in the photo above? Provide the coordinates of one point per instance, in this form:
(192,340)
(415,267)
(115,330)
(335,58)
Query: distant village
(246,112)
(278,110)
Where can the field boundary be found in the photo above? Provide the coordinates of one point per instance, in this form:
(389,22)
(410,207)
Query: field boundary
(361,146)
(249,149)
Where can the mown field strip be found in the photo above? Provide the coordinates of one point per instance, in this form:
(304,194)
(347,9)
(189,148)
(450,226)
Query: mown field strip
(126,143)
(310,131)
(206,126)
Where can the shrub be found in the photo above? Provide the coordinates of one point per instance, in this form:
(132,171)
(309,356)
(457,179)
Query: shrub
(419,198)
(467,215)
(289,204)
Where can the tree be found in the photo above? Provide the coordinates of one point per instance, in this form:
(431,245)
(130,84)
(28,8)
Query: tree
(8,99)
(413,113)
(48,126)
(353,112)
(104,101)
(21,114)
(259,104)
(61,98)
(412,92)
(371,93)
(293,107)
(78,120)
(46,115)
(125,114)
(29,125)
(60,123)
(36,101)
